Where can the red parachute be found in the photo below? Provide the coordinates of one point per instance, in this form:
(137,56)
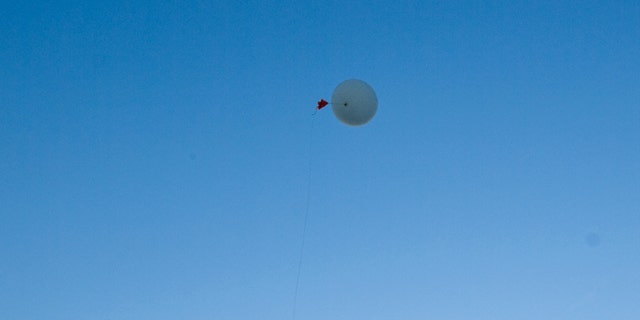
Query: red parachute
(321,104)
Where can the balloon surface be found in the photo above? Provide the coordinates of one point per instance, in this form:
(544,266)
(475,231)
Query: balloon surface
(354,102)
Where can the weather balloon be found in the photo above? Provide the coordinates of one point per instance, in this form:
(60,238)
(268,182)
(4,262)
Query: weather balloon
(353,102)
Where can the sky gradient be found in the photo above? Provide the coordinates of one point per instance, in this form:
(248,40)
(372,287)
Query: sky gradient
(155,159)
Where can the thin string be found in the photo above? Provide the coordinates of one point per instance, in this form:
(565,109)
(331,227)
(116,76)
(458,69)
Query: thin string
(306,218)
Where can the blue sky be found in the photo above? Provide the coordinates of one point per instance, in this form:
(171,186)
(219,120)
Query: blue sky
(155,159)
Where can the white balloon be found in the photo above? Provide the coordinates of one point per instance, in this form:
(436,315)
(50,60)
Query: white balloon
(354,102)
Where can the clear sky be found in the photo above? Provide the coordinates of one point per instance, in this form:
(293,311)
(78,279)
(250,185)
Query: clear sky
(155,159)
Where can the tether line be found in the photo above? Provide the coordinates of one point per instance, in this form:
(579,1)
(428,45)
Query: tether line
(304,225)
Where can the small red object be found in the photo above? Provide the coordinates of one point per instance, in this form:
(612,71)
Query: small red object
(322,104)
